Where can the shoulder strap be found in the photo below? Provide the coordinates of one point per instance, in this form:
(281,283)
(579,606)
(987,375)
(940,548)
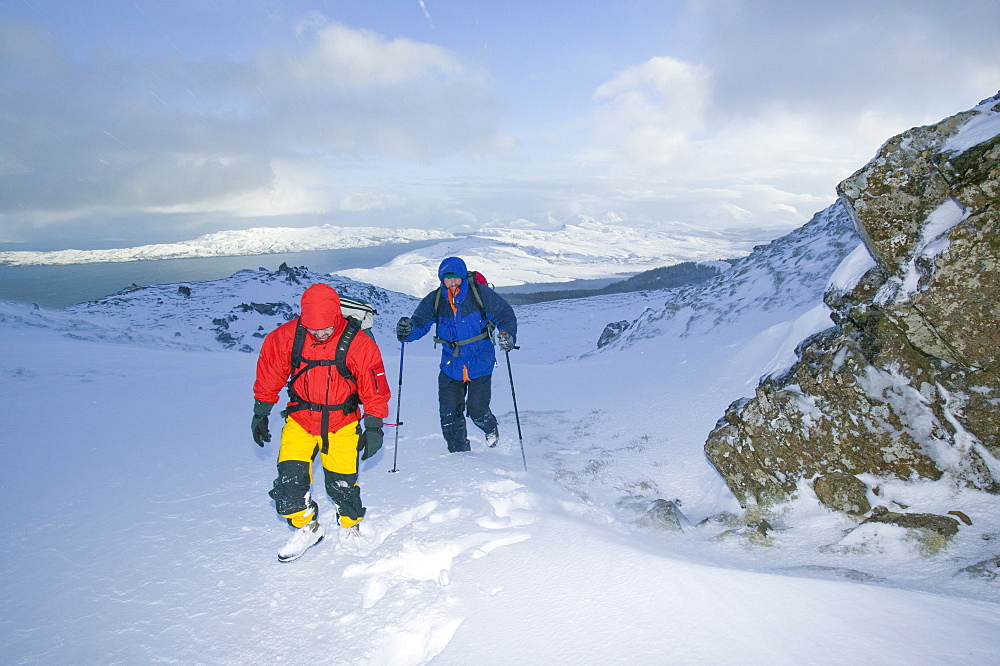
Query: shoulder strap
(470,279)
(297,342)
(343,344)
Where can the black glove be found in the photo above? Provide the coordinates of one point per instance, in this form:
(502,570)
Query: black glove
(259,425)
(403,329)
(371,439)
(505,340)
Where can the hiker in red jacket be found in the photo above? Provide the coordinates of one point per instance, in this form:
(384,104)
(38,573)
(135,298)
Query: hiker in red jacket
(323,415)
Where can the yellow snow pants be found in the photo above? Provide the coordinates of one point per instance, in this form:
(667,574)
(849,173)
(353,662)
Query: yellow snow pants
(340,466)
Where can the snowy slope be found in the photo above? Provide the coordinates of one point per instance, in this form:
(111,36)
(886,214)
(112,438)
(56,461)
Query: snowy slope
(146,535)
(776,282)
(232,313)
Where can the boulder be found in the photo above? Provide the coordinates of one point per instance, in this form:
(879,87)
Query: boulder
(663,514)
(842,492)
(944,526)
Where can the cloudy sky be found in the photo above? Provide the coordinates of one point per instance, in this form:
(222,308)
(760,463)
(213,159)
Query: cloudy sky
(130,122)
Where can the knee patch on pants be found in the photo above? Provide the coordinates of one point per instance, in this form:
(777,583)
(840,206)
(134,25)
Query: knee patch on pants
(344,491)
(291,488)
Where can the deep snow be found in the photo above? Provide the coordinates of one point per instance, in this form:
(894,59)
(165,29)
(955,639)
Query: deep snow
(139,530)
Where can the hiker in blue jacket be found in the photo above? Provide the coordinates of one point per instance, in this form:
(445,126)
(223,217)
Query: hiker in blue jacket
(465,314)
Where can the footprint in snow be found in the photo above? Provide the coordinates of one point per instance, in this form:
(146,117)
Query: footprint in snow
(430,550)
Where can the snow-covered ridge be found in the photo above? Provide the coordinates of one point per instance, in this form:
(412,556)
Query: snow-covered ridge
(233,313)
(236,243)
(982,126)
(788,275)
(583,250)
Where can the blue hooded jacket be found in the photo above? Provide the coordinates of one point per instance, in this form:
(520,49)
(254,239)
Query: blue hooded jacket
(474,359)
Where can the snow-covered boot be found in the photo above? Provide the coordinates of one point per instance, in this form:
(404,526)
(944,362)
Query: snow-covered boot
(354,541)
(493,437)
(351,536)
(301,540)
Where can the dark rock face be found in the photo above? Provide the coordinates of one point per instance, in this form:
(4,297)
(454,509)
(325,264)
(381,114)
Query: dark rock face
(907,381)
(611,332)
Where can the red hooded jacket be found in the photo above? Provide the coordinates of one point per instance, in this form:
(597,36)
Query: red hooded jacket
(322,384)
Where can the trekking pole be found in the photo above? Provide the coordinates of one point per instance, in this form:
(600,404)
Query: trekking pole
(399,400)
(517,418)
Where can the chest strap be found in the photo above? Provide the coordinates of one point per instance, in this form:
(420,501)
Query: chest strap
(302,365)
(456,344)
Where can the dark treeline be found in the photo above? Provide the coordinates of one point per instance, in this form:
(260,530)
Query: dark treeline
(666,277)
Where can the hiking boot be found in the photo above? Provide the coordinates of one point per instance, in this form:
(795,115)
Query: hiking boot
(301,540)
(459,448)
(493,437)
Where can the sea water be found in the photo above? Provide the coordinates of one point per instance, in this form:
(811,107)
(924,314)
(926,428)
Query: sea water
(54,287)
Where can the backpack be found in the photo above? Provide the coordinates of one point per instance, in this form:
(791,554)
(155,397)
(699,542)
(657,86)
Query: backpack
(473,279)
(360,311)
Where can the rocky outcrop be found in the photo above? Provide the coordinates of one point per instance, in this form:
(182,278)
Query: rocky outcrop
(907,382)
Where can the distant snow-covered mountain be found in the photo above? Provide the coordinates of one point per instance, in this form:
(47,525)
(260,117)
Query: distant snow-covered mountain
(778,282)
(585,250)
(236,243)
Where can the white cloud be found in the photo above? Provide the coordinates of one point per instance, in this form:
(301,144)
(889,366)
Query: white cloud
(648,112)
(776,101)
(114,137)
(295,188)
(359,60)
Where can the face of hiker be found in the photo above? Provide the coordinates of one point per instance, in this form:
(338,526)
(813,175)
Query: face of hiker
(321,334)
(452,283)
